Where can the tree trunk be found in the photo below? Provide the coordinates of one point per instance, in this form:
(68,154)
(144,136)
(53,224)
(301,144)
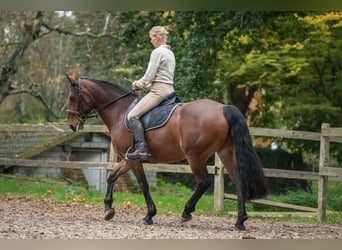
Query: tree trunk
(240,97)
(30,32)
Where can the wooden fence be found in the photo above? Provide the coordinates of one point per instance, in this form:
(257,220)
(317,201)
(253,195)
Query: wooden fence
(324,174)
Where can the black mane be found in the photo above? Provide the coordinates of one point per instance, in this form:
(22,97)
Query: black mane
(112,84)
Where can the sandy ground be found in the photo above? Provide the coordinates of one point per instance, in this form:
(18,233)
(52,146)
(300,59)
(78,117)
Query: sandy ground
(30,219)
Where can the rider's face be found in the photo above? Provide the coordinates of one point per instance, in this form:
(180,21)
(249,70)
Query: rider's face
(155,40)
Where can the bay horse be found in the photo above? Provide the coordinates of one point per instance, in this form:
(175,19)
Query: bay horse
(195,131)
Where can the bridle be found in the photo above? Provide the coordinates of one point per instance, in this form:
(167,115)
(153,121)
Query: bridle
(81,116)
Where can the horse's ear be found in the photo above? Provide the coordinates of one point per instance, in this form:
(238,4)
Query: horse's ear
(71,79)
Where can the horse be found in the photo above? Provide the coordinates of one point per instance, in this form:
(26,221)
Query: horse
(195,131)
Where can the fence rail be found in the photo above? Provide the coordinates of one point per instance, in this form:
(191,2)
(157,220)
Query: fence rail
(334,174)
(324,175)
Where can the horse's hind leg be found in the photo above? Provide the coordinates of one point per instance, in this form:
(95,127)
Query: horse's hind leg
(202,183)
(119,170)
(242,214)
(226,155)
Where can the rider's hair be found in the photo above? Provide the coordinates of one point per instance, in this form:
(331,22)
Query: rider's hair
(161,31)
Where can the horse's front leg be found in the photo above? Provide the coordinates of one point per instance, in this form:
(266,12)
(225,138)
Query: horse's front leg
(119,170)
(139,173)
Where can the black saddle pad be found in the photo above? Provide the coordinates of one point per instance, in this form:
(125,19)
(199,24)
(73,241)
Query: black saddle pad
(158,116)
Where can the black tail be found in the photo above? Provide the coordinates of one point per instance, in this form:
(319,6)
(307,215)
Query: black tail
(251,181)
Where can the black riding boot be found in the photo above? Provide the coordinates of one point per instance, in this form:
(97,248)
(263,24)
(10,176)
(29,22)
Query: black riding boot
(140,151)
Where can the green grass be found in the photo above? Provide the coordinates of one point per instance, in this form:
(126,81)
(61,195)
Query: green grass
(41,188)
(169,198)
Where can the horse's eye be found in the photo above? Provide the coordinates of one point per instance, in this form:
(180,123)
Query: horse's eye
(72,98)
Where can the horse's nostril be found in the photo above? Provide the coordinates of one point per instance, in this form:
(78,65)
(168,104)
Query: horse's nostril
(72,128)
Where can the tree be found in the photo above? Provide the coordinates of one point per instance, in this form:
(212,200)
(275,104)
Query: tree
(319,84)
(199,37)
(250,59)
(36,54)
(292,65)
(17,36)
(278,58)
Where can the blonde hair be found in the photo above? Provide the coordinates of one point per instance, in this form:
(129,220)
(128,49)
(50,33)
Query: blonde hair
(161,31)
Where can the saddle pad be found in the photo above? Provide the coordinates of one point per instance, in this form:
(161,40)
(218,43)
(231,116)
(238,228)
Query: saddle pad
(156,117)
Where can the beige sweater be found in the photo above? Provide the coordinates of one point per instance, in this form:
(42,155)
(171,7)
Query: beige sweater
(160,68)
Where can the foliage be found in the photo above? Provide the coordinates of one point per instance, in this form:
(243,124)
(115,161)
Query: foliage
(27,110)
(319,85)
(290,68)
(218,53)
(199,37)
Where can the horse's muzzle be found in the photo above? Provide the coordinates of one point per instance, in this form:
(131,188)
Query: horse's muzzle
(72,127)
(77,126)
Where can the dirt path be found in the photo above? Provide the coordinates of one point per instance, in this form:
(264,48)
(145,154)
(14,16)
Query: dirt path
(29,219)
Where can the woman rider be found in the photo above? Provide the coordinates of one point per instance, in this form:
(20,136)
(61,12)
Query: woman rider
(158,79)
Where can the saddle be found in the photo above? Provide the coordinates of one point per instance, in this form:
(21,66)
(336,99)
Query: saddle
(158,116)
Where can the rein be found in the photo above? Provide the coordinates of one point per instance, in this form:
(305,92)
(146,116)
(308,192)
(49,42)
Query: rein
(82,117)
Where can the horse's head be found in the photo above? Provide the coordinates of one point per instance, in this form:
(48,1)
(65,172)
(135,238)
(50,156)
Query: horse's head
(79,107)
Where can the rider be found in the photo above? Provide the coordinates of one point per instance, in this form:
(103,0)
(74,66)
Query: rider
(158,79)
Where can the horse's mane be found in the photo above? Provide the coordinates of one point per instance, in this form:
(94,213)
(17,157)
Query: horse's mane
(99,80)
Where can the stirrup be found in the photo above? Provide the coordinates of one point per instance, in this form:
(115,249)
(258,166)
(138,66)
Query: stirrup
(126,158)
(143,157)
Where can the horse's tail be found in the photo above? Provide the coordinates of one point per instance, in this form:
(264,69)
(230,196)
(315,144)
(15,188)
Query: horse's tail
(250,178)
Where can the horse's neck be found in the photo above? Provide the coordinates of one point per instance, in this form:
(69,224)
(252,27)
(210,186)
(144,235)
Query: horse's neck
(115,112)
(102,94)
(111,103)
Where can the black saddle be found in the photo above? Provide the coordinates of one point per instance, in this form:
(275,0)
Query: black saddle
(158,116)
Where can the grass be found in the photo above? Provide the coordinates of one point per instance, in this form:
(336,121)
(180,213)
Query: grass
(169,198)
(41,188)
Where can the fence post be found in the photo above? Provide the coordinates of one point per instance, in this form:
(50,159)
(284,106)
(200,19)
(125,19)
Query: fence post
(323,180)
(218,185)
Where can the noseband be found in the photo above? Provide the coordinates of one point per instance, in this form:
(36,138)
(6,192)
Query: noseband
(81,116)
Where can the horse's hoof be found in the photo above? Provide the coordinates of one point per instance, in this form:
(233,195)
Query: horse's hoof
(186,218)
(109,214)
(147,221)
(239,224)
(240,227)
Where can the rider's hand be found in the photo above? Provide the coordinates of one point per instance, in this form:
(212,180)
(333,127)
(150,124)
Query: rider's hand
(135,87)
